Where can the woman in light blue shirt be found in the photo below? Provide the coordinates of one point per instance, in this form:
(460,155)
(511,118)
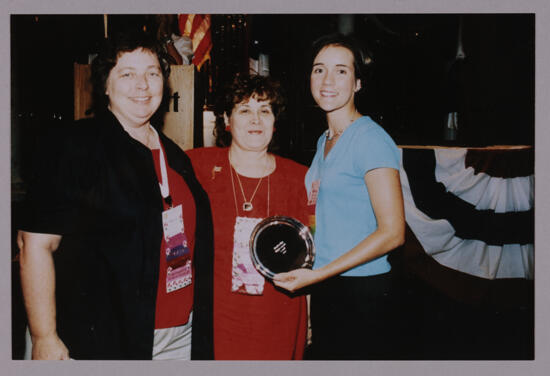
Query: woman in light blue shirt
(354,183)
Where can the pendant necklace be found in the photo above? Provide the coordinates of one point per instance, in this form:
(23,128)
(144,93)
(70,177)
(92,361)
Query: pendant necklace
(335,134)
(338,133)
(247,204)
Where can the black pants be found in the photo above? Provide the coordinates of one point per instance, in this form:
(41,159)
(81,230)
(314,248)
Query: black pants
(356,318)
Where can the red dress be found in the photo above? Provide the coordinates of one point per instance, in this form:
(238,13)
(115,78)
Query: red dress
(271,326)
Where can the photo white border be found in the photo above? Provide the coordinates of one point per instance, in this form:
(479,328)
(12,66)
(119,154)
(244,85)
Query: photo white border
(541,364)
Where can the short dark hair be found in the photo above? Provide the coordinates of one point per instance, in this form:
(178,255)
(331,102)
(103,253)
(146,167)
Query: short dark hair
(108,56)
(242,88)
(362,59)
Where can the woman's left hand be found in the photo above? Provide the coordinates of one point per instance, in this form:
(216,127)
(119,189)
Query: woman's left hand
(295,279)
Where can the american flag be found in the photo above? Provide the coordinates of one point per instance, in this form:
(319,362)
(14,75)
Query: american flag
(197,27)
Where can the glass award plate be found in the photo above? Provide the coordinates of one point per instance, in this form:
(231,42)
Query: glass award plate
(280,244)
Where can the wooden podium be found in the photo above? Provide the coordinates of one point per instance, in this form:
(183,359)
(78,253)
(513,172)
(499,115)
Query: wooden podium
(178,120)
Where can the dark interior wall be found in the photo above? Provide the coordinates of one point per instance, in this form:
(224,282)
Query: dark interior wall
(408,93)
(43,51)
(416,79)
(499,78)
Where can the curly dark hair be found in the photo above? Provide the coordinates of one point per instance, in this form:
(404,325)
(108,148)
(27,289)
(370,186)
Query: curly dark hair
(241,89)
(108,56)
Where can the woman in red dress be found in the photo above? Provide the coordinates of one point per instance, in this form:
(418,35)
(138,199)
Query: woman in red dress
(253,319)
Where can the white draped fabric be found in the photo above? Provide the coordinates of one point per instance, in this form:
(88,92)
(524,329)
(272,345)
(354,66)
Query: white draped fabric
(437,236)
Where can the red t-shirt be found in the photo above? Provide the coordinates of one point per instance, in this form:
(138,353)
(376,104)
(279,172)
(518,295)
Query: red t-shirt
(173,309)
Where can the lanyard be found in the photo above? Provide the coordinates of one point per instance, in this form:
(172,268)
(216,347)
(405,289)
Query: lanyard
(163,184)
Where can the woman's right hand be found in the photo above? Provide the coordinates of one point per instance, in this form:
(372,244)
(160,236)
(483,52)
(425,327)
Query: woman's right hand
(296,279)
(49,347)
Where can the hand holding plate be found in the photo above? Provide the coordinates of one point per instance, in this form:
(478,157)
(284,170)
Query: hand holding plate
(295,279)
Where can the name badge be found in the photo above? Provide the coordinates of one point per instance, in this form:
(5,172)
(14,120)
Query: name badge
(313,193)
(179,272)
(245,278)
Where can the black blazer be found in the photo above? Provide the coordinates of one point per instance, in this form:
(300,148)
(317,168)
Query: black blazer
(96,186)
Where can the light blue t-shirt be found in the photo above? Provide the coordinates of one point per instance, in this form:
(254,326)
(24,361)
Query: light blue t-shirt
(344,214)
